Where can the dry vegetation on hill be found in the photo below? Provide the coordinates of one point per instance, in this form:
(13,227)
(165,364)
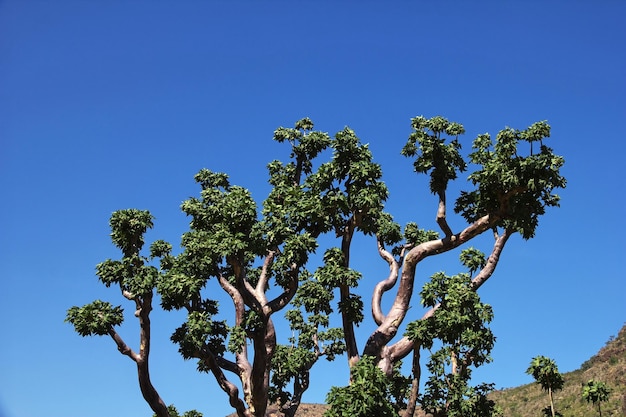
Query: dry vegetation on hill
(608,366)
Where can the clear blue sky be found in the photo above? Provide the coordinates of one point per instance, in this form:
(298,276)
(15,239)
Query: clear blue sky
(111,105)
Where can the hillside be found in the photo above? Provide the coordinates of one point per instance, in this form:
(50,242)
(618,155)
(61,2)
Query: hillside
(608,366)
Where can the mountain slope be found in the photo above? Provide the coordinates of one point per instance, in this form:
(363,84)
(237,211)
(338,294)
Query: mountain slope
(608,366)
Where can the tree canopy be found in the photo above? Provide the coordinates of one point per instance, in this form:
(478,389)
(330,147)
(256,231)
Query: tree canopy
(259,255)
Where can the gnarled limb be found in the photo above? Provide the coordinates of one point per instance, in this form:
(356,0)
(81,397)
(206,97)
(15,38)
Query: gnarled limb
(404,346)
(384,285)
(389,327)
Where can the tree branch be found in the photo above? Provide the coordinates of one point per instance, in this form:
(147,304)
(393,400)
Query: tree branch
(403,347)
(384,285)
(228,387)
(267,263)
(415,383)
(441,214)
(389,327)
(122,346)
(240,308)
(286,296)
(344,291)
(243,286)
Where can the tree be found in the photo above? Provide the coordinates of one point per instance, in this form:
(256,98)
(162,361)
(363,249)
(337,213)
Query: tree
(260,256)
(596,392)
(136,280)
(546,374)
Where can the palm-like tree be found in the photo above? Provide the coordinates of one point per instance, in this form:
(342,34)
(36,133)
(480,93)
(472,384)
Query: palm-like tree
(596,392)
(546,374)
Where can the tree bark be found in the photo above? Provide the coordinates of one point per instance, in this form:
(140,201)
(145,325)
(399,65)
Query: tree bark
(388,355)
(415,384)
(148,391)
(352,350)
(141,359)
(377,342)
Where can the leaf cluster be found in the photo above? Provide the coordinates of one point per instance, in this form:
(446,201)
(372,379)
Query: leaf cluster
(95,318)
(459,323)
(134,276)
(518,188)
(173,412)
(546,373)
(433,155)
(200,333)
(596,391)
(370,393)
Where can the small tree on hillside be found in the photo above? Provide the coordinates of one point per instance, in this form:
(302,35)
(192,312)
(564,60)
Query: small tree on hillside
(596,392)
(546,374)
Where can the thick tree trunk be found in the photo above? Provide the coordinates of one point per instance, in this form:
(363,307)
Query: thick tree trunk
(148,391)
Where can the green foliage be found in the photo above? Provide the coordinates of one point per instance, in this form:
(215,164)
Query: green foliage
(198,333)
(473,259)
(132,274)
(444,161)
(516,188)
(459,324)
(259,255)
(173,412)
(128,228)
(546,373)
(415,236)
(370,393)
(96,318)
(596,392)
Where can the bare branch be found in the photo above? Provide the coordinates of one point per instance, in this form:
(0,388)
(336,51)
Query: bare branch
(389,326)
(243,286)
(384,285)
(267,263)
(286,296)
(228,387)
(404,346)
(122,346)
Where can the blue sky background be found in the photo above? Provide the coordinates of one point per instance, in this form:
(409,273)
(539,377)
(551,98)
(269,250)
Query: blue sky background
(111,105)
